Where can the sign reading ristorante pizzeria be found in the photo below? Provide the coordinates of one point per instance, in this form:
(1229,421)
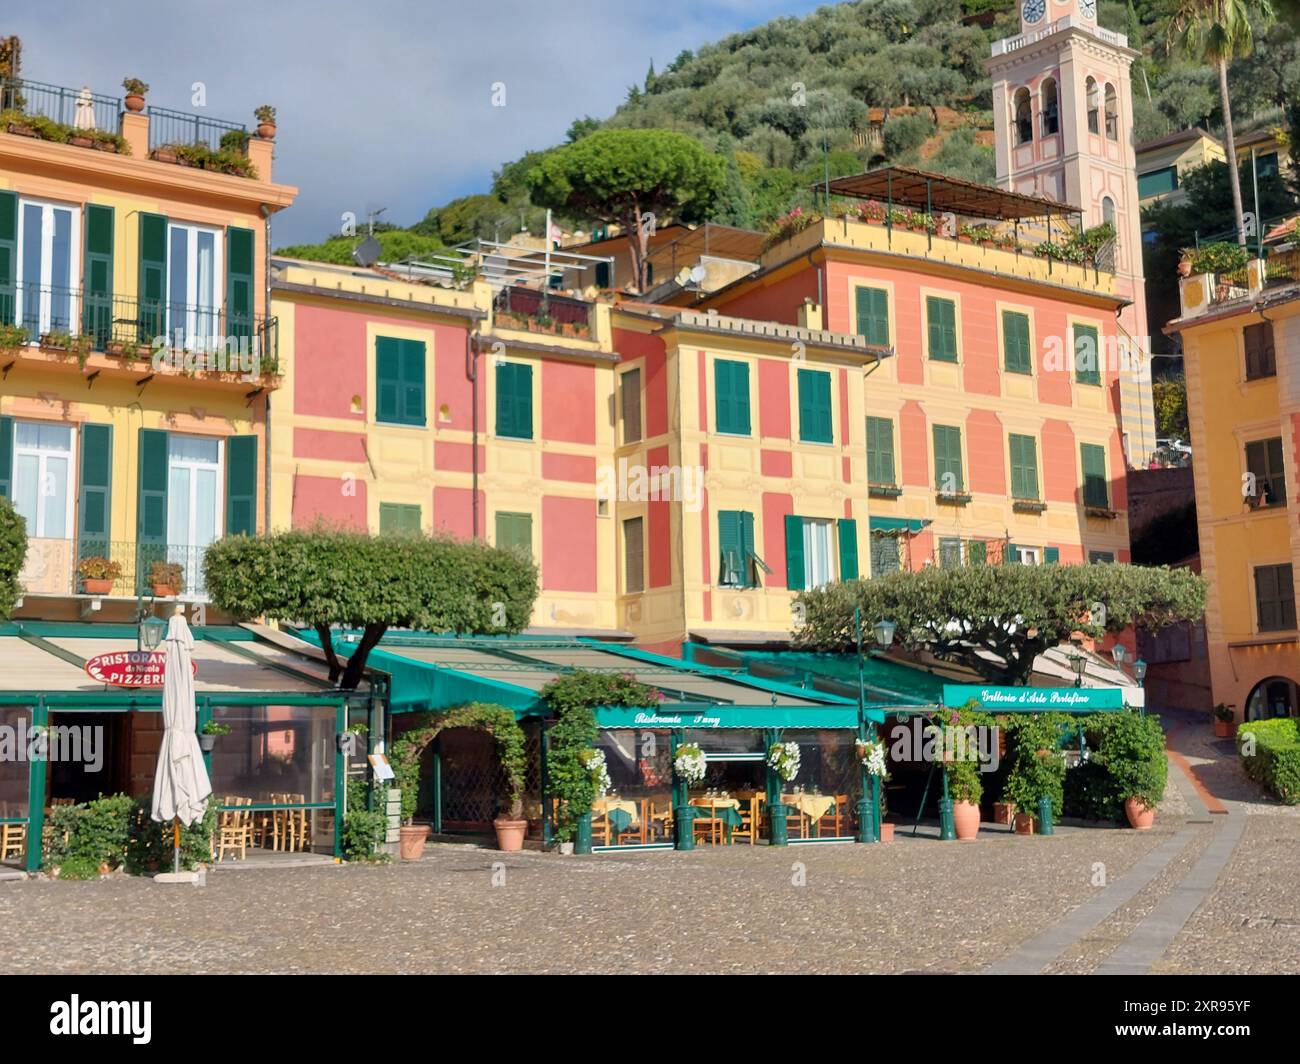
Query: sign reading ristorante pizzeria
(129,668)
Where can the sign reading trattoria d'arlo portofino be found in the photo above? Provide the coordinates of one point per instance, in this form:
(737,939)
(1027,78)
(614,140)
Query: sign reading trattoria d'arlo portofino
(1034,699)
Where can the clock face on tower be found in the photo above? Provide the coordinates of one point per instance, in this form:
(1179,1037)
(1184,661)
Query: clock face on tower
(1033,10)
(1088,8)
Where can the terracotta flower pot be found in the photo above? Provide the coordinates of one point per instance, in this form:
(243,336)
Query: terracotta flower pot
(97,587)
(1003,812)
(886,832)
(1225,729)
(1185,268)
(1024,824)
(411,840)
(1140,816)
(164,155)
(966,819)
(266,130)
(81,142)
(510,833)
(134,102)
(164,591)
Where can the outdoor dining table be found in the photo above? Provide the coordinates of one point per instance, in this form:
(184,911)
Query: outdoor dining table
(621,813)
(813,806)
(728,811)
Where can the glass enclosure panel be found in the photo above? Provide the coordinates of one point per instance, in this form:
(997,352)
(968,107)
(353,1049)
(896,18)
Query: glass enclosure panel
(60,297)
(280,755)
(636,809)
(178,283)
(734,778)
(828,769)
(15,722)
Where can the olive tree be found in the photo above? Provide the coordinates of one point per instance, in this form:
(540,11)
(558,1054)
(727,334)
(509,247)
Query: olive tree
(322,578)
(996,619)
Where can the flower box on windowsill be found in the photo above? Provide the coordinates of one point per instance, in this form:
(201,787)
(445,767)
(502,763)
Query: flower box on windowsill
(1028,506)
(884,491)
(1103,512)
(953,498)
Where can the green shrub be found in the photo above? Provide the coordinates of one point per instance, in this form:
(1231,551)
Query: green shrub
(1275,761)
(149,843)
(1034,775)
(907,133)
(95,832)
(1132,752)
(78,868)
(13,551)
(363,833)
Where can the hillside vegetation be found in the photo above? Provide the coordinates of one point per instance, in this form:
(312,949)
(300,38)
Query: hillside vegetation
(790,102)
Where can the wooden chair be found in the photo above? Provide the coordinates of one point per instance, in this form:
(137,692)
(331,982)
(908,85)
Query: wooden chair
(832,819)
(234,827)
(796,820)
(13,841)
(660,818)
(711,825)
(600,828)
(633,832)
(748,821)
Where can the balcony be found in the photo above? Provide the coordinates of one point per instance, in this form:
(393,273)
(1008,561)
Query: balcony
(51,569)
(199,341)
(66,116)
(533,310)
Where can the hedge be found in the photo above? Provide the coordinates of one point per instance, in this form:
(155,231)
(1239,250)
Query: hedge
(117,830)
(13,551)
(1275,761)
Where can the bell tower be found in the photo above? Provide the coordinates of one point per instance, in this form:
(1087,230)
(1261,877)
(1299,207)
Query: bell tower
(1063,128)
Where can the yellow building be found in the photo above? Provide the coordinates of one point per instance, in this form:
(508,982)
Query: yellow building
(138,356)
(1162,162)
(1242,351)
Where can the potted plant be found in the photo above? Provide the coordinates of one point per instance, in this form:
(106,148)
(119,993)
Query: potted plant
(966,788)
(98,575)
(208,735)
(167,578)
(1224,722)
(1132,753)
(511,825)
(783,759)
(265,116)
(165,153)
(1036,780)
(135,92)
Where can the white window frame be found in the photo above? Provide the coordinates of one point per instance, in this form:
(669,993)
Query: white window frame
(187,559)
(191,330)
(810,536)
(1029,555)
(45,282)
(42,454)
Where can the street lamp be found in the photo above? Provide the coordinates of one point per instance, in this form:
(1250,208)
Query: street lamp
(1078,663)
(1140,671)
(1118,652)
(884,632)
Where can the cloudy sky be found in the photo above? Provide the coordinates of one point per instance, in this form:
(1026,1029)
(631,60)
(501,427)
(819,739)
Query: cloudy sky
(381,104)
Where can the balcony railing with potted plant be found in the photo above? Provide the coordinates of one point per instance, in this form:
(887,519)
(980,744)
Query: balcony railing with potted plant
(66,116)
(203,143)
(79,323)
(531,310)
(112,568)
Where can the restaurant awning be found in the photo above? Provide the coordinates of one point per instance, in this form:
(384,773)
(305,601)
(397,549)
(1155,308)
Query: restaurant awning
(888,684)
(923,190)
(896,524)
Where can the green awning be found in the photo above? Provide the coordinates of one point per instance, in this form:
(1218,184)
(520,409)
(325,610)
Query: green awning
(887,682)
(896,524)
(690,715)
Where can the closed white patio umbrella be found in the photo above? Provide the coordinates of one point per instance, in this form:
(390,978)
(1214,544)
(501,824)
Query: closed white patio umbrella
(180,785)
(84,115)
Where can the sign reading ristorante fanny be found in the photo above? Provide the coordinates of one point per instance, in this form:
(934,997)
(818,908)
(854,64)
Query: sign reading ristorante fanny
(130,668)
(1034,699)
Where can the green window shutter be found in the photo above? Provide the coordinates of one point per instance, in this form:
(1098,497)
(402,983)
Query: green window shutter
(240,255)
(731,382)
(515,400)
(515,532)
(941,319)
(1087,355)
(747,548)
(241,486)
(151,504)
(412,393)
(880,450)
(1010,554)
(950,553)
(8,257)
(1275,598)
(873,315)
(94,494)
(731,548)
(1024,467)
(388,379)
(97,269)
(815,406)
(794,568)
(399,519)
(977,552)
(1015,342)
(1096,491)
(848,530)
(6,457)
(1051,555)
(947,459)
(152,290)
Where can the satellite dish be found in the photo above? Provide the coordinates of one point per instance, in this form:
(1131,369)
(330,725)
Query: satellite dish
(698,274)
(367,252)
(683,275)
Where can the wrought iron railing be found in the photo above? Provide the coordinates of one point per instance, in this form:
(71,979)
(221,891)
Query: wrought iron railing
(178,127)
(52,567)
(79,321)
(536,311)
(79,108)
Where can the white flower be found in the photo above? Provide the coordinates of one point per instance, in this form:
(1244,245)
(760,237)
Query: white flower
(690,763)
(784,758)
(594,762)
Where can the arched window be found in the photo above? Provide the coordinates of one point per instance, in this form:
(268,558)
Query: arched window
(1108,210)
(1274,697)
(1051,109)
(1112,114)
(1024,117)
(1094,105)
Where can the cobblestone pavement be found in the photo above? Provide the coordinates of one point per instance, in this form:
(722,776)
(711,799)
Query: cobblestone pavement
(915,904)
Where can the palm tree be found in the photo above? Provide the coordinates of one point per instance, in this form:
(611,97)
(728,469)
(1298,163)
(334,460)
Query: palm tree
(1219,31)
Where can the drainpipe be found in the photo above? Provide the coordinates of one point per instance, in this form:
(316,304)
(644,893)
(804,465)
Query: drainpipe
(266,395)
(471,371)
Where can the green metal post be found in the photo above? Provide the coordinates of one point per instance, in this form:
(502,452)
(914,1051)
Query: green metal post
(36,794)
(778,829)
(867,813)
(437,792)
(1044,815)
(875,808)
(582,842)
(548,832)
(683,812)
(947,829)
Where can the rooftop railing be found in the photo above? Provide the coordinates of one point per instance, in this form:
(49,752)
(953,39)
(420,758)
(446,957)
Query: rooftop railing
(176,127)
(79,108)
